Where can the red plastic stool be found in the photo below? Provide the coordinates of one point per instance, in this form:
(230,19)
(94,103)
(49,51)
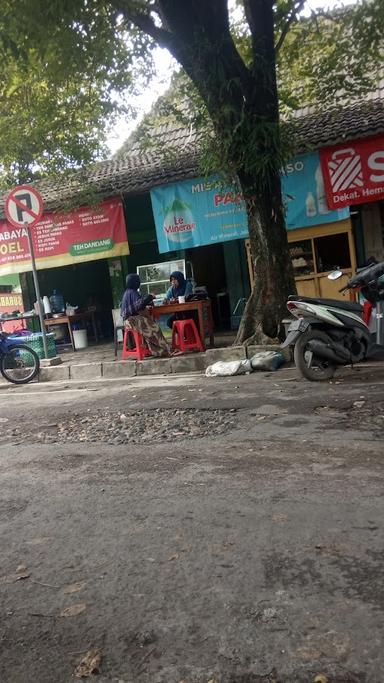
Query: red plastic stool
(140,351)
(185,336)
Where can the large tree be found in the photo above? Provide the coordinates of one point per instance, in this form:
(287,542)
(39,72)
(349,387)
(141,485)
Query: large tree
(236,80)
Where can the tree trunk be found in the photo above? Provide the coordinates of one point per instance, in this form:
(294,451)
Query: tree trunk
(242,102)
(274,279)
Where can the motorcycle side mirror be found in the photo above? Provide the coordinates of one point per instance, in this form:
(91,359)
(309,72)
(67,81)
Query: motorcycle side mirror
(335,275)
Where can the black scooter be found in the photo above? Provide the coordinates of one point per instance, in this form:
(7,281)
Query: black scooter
(329,332)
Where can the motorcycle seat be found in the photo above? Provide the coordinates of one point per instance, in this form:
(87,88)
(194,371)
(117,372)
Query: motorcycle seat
(335,303)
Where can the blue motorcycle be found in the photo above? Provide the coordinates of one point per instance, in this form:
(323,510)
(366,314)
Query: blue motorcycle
(19,363)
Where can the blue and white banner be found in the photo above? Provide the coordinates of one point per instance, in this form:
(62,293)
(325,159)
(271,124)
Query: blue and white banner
(204,211)
(196,212)
(304,194)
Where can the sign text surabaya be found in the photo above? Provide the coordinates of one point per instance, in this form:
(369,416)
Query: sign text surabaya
(10,300)
(10,241)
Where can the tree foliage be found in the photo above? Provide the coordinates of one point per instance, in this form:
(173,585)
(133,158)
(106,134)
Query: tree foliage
(61,81)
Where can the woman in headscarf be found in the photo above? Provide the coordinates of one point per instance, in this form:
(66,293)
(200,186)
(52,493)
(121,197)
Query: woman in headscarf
(179,287)
(135,314)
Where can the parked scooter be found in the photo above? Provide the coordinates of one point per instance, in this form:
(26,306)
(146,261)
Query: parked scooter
(329,333)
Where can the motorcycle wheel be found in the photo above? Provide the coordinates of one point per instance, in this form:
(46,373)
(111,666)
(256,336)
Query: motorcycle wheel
(311,367)
(20,364)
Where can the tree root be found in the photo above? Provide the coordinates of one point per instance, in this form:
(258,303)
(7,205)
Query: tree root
(257,339)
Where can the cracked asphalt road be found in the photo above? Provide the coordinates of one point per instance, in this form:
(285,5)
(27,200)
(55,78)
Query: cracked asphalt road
(246,556)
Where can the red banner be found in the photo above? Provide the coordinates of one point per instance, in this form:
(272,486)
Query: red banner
(353,172)
(10,303)
(85,234)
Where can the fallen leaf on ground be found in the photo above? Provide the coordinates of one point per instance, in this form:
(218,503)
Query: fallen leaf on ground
(38,541)
(9,578)
(331,548)
(307,653)
(20,576)
(74,587)
(173,557)
(90,664)
(279,518)
(321,678)
(21,569)
(73,610)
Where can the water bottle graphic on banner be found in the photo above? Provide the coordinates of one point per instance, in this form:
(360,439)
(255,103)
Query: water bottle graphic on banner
(345,170)
(310,205)
(179,223)
(320,192)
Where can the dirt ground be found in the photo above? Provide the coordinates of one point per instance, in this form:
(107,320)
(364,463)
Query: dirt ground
(245,547)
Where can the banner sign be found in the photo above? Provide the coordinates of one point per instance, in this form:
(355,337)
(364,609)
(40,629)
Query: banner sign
(204,211)
(197,212)
(85,234)
(304,194)
(10,303)
(354,172)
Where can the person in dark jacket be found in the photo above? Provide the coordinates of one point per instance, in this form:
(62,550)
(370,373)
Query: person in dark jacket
(136,316)
(179,287)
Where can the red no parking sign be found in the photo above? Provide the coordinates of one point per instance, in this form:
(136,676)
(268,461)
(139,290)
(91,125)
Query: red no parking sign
(24,205)
(23,208)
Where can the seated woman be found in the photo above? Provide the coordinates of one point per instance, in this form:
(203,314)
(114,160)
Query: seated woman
(179,287)
(136,316)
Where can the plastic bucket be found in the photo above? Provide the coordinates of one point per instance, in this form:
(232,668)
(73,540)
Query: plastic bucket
(80,339)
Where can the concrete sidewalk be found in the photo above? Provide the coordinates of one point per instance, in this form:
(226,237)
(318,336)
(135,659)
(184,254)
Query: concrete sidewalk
(101,363)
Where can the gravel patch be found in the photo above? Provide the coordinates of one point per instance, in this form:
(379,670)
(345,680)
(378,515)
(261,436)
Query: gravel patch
(117,427)
(361,414)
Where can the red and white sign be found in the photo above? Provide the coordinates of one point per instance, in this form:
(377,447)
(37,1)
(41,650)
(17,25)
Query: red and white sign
(24,205)
(8,303)
(84,234)
(353,172)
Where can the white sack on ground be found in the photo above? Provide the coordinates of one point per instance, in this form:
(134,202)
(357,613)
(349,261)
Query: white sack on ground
(228,368)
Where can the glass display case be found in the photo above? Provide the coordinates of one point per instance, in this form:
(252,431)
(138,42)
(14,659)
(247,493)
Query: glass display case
(154,277)
(302,257)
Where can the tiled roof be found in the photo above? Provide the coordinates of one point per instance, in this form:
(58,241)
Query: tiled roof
(359,120)
(135,172)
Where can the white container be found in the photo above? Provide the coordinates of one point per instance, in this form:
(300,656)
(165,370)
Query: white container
(320,192)
(36,306)
(80,339)
(47,305)
(181,299)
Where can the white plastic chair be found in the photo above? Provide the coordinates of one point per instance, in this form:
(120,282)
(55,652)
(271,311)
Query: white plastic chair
(118,327)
